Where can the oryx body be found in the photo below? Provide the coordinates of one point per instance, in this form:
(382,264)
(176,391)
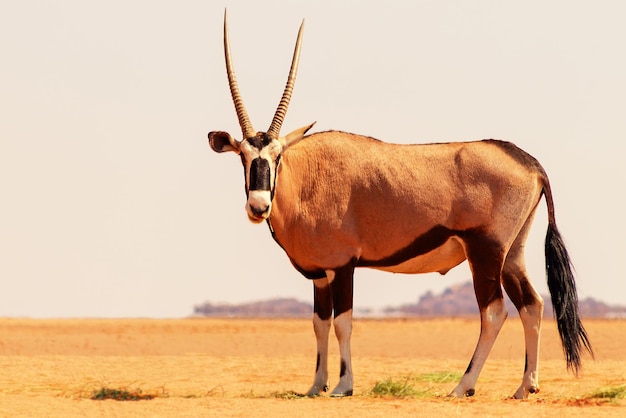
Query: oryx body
(335,201)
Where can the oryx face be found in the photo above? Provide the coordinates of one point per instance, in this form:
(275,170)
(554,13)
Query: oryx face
(260,156)
(260,152)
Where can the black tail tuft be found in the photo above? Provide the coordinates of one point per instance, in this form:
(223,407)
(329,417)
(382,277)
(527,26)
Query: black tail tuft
(565,299)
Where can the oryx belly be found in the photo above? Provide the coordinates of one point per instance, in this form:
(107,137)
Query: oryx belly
(441,259)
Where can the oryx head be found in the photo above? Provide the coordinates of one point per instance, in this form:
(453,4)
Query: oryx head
(260,152)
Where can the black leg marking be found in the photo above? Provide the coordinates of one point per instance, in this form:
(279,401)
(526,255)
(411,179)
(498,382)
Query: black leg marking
(323,302)
(526,363)
(342,288)
(317,365)
(343,369)
(469,367)
(519,289)
(486,258)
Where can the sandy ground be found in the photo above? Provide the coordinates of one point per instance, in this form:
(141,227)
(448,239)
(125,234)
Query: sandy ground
(247,367)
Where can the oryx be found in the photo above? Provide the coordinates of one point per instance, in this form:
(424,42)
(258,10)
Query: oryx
(335,201)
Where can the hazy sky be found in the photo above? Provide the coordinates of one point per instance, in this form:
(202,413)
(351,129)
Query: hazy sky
(113,205)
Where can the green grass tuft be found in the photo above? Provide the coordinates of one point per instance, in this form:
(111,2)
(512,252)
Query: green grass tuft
(609,393)
(439,377)
(406,386)
(395,388)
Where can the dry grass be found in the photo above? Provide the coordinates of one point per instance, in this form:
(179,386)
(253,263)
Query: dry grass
(122,394)
(258,367)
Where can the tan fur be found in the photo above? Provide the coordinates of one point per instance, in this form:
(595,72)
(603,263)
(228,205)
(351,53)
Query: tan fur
(341,196)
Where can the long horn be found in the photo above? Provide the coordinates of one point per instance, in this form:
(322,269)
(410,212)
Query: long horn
(279,116)
(242,115)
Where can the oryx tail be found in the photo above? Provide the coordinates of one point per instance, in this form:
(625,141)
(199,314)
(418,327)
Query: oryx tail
(562,286)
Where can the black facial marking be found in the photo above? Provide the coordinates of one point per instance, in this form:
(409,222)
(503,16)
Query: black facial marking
(243,162)
(432,239)
(343,369)
(259,141)
(259,174)
(276,165)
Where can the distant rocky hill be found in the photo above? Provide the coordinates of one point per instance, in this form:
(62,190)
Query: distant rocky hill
(459,300)
(455,301)
(283,307)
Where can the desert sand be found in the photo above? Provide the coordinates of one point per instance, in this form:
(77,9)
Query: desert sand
(252,367)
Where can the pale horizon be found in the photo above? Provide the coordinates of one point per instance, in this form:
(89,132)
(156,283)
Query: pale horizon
(113,204)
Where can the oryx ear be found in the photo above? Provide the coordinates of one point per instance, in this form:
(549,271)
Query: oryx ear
(222,142)
(294,137)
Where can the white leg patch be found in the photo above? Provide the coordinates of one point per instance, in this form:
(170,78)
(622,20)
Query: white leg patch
(531,320)
(343,331)
(322,331)
(491,321)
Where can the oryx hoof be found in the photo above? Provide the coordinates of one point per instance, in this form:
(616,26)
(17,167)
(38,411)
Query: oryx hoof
(522,393)
(341,394)
(460,393)
(316,390)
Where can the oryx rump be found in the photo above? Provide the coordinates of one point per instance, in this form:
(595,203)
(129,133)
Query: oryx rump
(335,201)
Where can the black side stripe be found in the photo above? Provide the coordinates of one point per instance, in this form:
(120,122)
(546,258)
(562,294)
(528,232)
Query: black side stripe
(432,239)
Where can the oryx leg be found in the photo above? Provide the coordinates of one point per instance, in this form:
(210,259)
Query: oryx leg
(333,293)
(322,311)
(486,264)
(341,282)
(529,304)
